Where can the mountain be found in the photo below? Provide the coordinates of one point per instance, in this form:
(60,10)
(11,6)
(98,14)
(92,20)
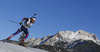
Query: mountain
(64,36)
(67,41)
(8,47)
(87,46)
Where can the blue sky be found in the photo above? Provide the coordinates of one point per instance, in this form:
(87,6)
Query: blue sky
(52,16)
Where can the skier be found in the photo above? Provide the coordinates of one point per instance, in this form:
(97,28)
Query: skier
(24,27)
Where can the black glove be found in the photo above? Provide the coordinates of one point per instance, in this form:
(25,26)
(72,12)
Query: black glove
(20,23)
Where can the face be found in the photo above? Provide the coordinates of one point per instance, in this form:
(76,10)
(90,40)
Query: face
(32,20)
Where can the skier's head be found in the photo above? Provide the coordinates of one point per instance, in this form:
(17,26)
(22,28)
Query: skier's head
(33,18)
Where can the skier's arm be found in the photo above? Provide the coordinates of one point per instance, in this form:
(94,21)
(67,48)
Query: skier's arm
(23,20)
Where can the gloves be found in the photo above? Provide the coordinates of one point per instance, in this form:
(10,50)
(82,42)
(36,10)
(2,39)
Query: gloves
(20,23)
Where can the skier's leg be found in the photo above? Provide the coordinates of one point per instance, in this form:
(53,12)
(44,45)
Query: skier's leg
(27,33)
(18,31)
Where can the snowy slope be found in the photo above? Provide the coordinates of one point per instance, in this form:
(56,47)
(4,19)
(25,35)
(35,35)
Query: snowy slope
(8,47)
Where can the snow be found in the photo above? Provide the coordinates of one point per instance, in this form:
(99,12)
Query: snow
(80,34)
(8,47)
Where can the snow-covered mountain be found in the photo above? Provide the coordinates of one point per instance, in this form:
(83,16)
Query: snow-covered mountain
(64,36)
(8,47)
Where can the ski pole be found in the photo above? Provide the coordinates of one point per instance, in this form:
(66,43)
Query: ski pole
(13,21)
(18,22)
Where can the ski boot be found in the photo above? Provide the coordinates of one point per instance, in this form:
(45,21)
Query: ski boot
(8,38)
